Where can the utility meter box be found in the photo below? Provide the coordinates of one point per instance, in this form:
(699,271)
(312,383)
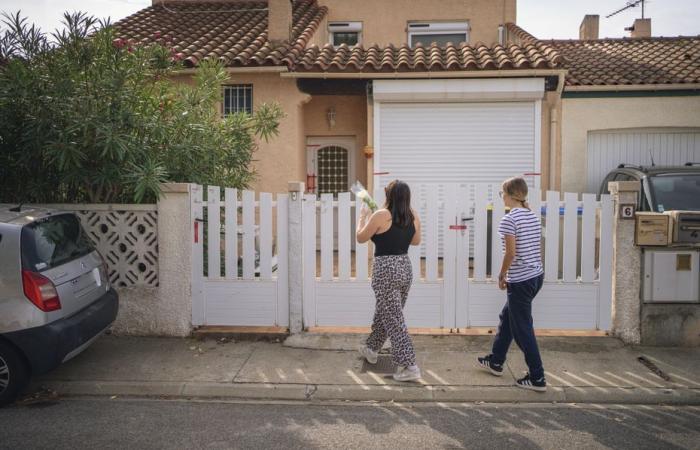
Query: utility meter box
(653,229)
(671,276)
(686,227)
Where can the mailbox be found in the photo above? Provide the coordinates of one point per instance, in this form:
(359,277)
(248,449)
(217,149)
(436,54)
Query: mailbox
(686,228)
(652,229)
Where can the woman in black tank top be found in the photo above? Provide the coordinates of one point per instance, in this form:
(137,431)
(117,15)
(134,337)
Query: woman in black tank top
(392,229)
(395,241)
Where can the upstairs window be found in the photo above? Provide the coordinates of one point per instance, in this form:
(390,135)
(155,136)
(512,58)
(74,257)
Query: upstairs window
(238,98)
(348,33)
(439,32)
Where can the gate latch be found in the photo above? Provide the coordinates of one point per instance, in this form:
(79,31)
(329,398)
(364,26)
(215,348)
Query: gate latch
(197,221)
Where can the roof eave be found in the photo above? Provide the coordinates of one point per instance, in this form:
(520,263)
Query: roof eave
(633,87)
(247,69)
(435,74)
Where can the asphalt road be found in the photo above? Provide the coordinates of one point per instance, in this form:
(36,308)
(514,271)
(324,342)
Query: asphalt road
(144,424)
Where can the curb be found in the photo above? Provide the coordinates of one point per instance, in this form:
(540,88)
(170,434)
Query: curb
(379,393)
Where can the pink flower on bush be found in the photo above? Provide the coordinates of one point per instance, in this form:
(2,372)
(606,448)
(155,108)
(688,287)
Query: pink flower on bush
(118,43)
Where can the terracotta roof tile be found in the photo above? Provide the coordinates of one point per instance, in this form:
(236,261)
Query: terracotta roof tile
(626,61)
(234,32)
(422,58)
(631,61)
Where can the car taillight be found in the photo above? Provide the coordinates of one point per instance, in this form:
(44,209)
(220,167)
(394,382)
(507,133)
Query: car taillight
(104,273)
(40,291)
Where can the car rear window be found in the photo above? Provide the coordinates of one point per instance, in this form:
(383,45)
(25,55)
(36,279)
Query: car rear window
(52,241)
(676,192)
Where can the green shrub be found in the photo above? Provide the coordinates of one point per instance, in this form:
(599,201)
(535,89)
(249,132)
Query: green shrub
(88,117)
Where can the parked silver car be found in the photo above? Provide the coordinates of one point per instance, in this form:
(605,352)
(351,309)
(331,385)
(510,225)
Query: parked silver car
(55,295)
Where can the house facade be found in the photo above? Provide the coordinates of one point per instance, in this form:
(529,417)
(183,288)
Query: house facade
(403,89)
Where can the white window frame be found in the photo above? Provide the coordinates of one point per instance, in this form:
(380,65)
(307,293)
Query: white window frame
(344,27)
(243,86)
(428,28)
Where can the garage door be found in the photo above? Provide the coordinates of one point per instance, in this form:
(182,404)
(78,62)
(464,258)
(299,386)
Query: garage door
(608,149)
(461,143)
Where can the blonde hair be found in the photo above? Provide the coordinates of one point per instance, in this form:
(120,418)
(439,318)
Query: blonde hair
(516,188)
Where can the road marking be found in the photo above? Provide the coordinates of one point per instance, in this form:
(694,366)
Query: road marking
(357,380)
(301,372)
(561,380)
(684,379)
(644,379)
(378,379)
(601,389)
(624,380)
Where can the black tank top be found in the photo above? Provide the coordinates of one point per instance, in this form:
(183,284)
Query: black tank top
(394,241)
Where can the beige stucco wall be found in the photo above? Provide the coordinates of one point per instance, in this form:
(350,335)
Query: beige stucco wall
(385,21)
(579,116)
(351,121)
(282,159)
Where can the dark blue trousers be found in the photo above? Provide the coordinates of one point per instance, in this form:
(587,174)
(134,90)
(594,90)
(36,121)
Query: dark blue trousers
(516,323)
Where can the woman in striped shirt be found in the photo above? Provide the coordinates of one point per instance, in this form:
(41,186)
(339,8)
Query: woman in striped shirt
(521,276)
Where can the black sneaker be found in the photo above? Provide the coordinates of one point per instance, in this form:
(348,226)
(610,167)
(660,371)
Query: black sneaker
(534,385)
(486,363)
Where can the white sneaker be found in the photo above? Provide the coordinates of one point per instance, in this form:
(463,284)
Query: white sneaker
(411,373)
(369,354)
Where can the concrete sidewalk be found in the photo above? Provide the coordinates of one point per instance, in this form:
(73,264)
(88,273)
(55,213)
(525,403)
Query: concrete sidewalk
(324,367)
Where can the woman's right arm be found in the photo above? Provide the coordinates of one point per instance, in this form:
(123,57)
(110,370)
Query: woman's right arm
(366,226)
(416,224)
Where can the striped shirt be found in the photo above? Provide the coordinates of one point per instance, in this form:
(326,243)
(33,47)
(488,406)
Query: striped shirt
(527,229)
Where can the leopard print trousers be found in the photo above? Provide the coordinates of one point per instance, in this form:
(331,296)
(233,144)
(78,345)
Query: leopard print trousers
(391,281)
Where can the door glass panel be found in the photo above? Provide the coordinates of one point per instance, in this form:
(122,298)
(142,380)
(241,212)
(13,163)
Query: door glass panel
(333,168)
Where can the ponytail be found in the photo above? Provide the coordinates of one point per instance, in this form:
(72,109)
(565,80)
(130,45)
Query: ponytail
(516,188)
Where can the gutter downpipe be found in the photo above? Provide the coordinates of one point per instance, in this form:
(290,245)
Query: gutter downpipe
(554,133)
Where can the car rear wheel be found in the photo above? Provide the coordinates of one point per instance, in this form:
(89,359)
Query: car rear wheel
(14,375)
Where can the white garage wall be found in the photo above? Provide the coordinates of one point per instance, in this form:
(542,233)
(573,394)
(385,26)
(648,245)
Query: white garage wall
(608,149)
(583,115)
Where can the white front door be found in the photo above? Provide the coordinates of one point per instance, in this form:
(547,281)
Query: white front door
(330,164)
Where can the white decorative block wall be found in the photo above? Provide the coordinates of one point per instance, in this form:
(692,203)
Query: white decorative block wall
(127,237)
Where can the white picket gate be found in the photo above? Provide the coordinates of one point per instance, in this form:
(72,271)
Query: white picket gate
(240,270)
(452,285)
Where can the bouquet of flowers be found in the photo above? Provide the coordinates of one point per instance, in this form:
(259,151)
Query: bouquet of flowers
(360,192)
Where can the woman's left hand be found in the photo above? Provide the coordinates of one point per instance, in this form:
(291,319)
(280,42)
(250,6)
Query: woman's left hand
(365,213)
(502,283)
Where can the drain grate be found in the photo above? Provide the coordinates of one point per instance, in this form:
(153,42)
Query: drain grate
(384,365)
(653,367)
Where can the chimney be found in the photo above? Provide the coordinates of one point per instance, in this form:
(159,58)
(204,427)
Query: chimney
(279,20)
(640,29)
(589,27)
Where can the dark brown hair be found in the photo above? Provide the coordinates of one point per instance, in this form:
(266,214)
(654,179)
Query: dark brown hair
(516,188)
(398,202)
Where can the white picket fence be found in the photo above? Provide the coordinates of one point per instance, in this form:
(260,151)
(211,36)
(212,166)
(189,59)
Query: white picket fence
(452,268)
(244,283)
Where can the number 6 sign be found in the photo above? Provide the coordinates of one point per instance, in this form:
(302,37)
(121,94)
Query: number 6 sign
(627,211)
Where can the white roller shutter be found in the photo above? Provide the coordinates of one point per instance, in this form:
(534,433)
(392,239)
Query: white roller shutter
(608,149)
(462,143)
